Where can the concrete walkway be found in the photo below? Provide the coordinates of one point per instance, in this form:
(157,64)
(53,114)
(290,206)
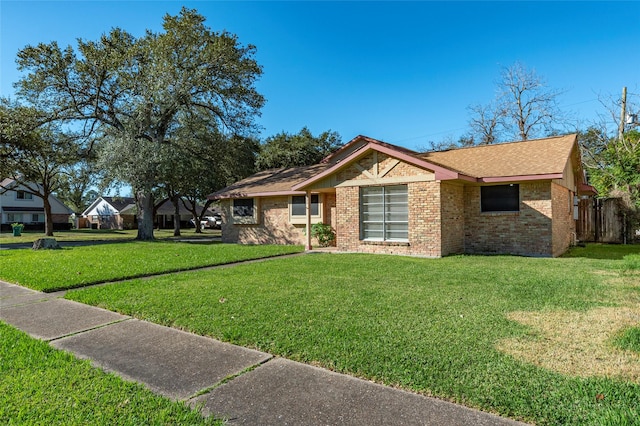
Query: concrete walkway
(241,385)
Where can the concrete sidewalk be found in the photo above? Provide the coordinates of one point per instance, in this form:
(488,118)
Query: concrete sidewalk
(241,385)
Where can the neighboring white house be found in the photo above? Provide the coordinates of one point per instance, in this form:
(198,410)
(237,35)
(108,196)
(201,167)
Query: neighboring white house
(121,213)
(17,205)
(109,213)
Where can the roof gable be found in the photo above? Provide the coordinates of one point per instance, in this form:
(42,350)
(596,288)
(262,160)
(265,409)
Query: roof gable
(370,144)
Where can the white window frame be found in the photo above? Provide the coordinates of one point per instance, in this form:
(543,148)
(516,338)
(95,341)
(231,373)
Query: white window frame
(26,196)
(301,219)
(387,191)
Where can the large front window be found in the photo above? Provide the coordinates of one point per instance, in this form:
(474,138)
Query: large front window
(384,213)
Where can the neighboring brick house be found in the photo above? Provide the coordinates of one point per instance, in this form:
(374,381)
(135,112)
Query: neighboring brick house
(516,198)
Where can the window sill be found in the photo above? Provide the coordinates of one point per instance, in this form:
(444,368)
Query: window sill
(385,243)
(302,220)
(514,213)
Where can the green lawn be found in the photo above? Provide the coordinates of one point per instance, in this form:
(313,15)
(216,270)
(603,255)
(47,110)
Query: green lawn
(51,270)
(447,327)
(44,386)
(102,235)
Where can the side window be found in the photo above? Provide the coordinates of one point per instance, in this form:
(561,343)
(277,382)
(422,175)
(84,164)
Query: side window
(500,198)
(243,207)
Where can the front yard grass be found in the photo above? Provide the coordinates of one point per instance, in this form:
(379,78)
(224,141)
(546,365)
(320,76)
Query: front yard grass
(450,328)
(42,385)
(7,238)
(51,270)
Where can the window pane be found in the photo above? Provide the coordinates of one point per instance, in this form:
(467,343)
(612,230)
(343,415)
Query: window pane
(385,213)
(500,198)
(299,205)
(243,207)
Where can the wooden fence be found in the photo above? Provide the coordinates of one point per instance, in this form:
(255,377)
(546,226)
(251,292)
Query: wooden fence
(602,220)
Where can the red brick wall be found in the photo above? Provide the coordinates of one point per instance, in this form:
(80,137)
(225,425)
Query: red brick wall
(452,199)
(347,218)
(564,226)
(527,232)
(425,222)
(273,226)
(444,219)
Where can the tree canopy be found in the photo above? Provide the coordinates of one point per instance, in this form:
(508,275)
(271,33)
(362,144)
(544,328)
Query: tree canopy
(33,154)
(132,93)
(301,149)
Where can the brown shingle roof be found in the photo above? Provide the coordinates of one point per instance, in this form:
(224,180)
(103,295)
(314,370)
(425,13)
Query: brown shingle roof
(539,157)
(269,182)
(527,158)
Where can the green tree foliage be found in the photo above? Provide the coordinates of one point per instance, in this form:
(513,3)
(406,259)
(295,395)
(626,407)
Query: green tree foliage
(77,185)
(302,149)
(613,164)
(34,154)
(202,161)
(131,93)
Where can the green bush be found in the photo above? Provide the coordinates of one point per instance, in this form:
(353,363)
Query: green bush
(324,234)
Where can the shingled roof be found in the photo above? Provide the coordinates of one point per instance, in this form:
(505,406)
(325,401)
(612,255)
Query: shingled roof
(527,158)
(533,159)
(270,182)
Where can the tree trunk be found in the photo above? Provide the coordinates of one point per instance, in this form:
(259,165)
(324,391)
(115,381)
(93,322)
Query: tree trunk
(144,202)
(48,218)
(176,215)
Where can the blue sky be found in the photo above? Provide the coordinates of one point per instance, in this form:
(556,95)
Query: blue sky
(402,72)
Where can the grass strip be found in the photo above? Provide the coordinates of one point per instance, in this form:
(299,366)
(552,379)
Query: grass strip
(42,385)
(427,325)
(52,270)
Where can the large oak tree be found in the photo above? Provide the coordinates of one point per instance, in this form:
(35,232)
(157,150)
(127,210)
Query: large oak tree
(132,93)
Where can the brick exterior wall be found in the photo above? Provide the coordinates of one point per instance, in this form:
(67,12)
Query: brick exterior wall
(564,226)
(273,225)
(425,223)
(452,200)
(527,232)
(444,218)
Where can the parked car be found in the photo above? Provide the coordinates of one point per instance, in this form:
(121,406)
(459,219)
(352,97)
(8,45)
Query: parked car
(213,222)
